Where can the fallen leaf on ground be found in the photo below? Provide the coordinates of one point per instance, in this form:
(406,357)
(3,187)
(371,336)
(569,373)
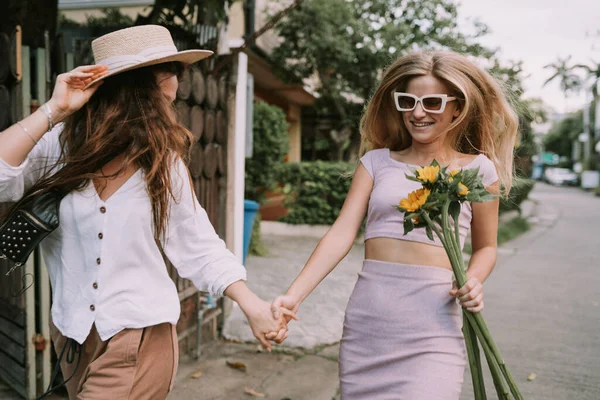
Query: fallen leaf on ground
(196,374)
(531,377)
(254,393)
(237,365)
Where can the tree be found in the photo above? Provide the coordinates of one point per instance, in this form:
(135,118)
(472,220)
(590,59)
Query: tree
(185,13)
(511,77)
(563,72)
(562,134)
(111,19)
(347,45)
(180,16)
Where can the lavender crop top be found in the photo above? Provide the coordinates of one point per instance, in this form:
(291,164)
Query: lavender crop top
(390,186)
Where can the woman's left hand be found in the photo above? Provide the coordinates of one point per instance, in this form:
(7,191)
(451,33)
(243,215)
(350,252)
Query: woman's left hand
(470,296)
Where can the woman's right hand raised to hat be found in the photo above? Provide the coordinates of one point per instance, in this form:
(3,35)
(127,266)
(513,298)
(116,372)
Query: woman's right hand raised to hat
(70,94)
(71,91)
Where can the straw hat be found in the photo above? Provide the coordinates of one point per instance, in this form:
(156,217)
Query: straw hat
(140,46)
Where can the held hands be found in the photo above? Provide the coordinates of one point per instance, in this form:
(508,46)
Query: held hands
(261,316)
(70,92)
(283,307)
(470,296)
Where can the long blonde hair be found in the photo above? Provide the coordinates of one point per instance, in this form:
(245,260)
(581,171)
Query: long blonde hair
(487,124)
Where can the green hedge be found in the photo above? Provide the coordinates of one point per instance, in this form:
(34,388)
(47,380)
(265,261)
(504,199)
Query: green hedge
(518,194)
(270,146)
(316,190)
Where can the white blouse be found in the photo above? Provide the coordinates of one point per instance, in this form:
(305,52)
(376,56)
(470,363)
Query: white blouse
(104,264)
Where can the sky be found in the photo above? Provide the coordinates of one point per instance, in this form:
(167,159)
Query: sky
(538,32)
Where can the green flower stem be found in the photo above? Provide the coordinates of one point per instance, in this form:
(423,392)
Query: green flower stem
(450,243)
(495,370)
(457,239)
(457,260)
(514,389)
(468,327)
(486,335)
(474,360)
(452,248)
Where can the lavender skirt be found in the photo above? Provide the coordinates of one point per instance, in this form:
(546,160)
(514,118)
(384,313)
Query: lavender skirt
(402,335)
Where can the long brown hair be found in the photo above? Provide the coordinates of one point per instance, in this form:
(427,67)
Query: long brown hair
(127,115)
(487,124)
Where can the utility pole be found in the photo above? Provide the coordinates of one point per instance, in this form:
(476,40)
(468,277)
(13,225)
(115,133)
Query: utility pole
(587,136)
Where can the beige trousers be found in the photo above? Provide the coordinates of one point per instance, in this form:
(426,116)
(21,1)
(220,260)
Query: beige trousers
(134,364)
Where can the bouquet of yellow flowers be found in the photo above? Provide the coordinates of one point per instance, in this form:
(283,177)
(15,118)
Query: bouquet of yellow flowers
(431,207)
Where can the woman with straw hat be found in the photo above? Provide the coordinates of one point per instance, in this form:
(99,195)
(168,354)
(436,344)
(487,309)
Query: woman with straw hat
(109,140)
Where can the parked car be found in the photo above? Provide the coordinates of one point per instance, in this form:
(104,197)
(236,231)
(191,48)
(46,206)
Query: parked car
(561,176)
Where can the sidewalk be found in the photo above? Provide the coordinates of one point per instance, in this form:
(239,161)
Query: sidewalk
(305,366)
(322,314)
(283,374)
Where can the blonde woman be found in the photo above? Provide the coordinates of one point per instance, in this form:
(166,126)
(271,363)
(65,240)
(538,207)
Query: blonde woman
(402,334)
(109,139)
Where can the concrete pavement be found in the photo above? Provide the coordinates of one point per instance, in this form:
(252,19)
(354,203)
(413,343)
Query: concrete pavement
(322,314)
(543,300)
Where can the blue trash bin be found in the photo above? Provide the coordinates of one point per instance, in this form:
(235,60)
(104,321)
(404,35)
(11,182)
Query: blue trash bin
(250,210)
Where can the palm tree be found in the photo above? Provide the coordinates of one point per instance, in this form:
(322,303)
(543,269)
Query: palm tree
(569,81)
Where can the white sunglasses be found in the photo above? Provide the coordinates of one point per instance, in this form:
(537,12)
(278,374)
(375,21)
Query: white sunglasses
(431,103)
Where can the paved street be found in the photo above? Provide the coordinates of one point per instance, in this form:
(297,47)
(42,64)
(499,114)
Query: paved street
(543,300)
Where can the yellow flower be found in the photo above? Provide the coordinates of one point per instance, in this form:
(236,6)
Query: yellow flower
(463,190)
(415,200)
(451,175)
(428,174)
